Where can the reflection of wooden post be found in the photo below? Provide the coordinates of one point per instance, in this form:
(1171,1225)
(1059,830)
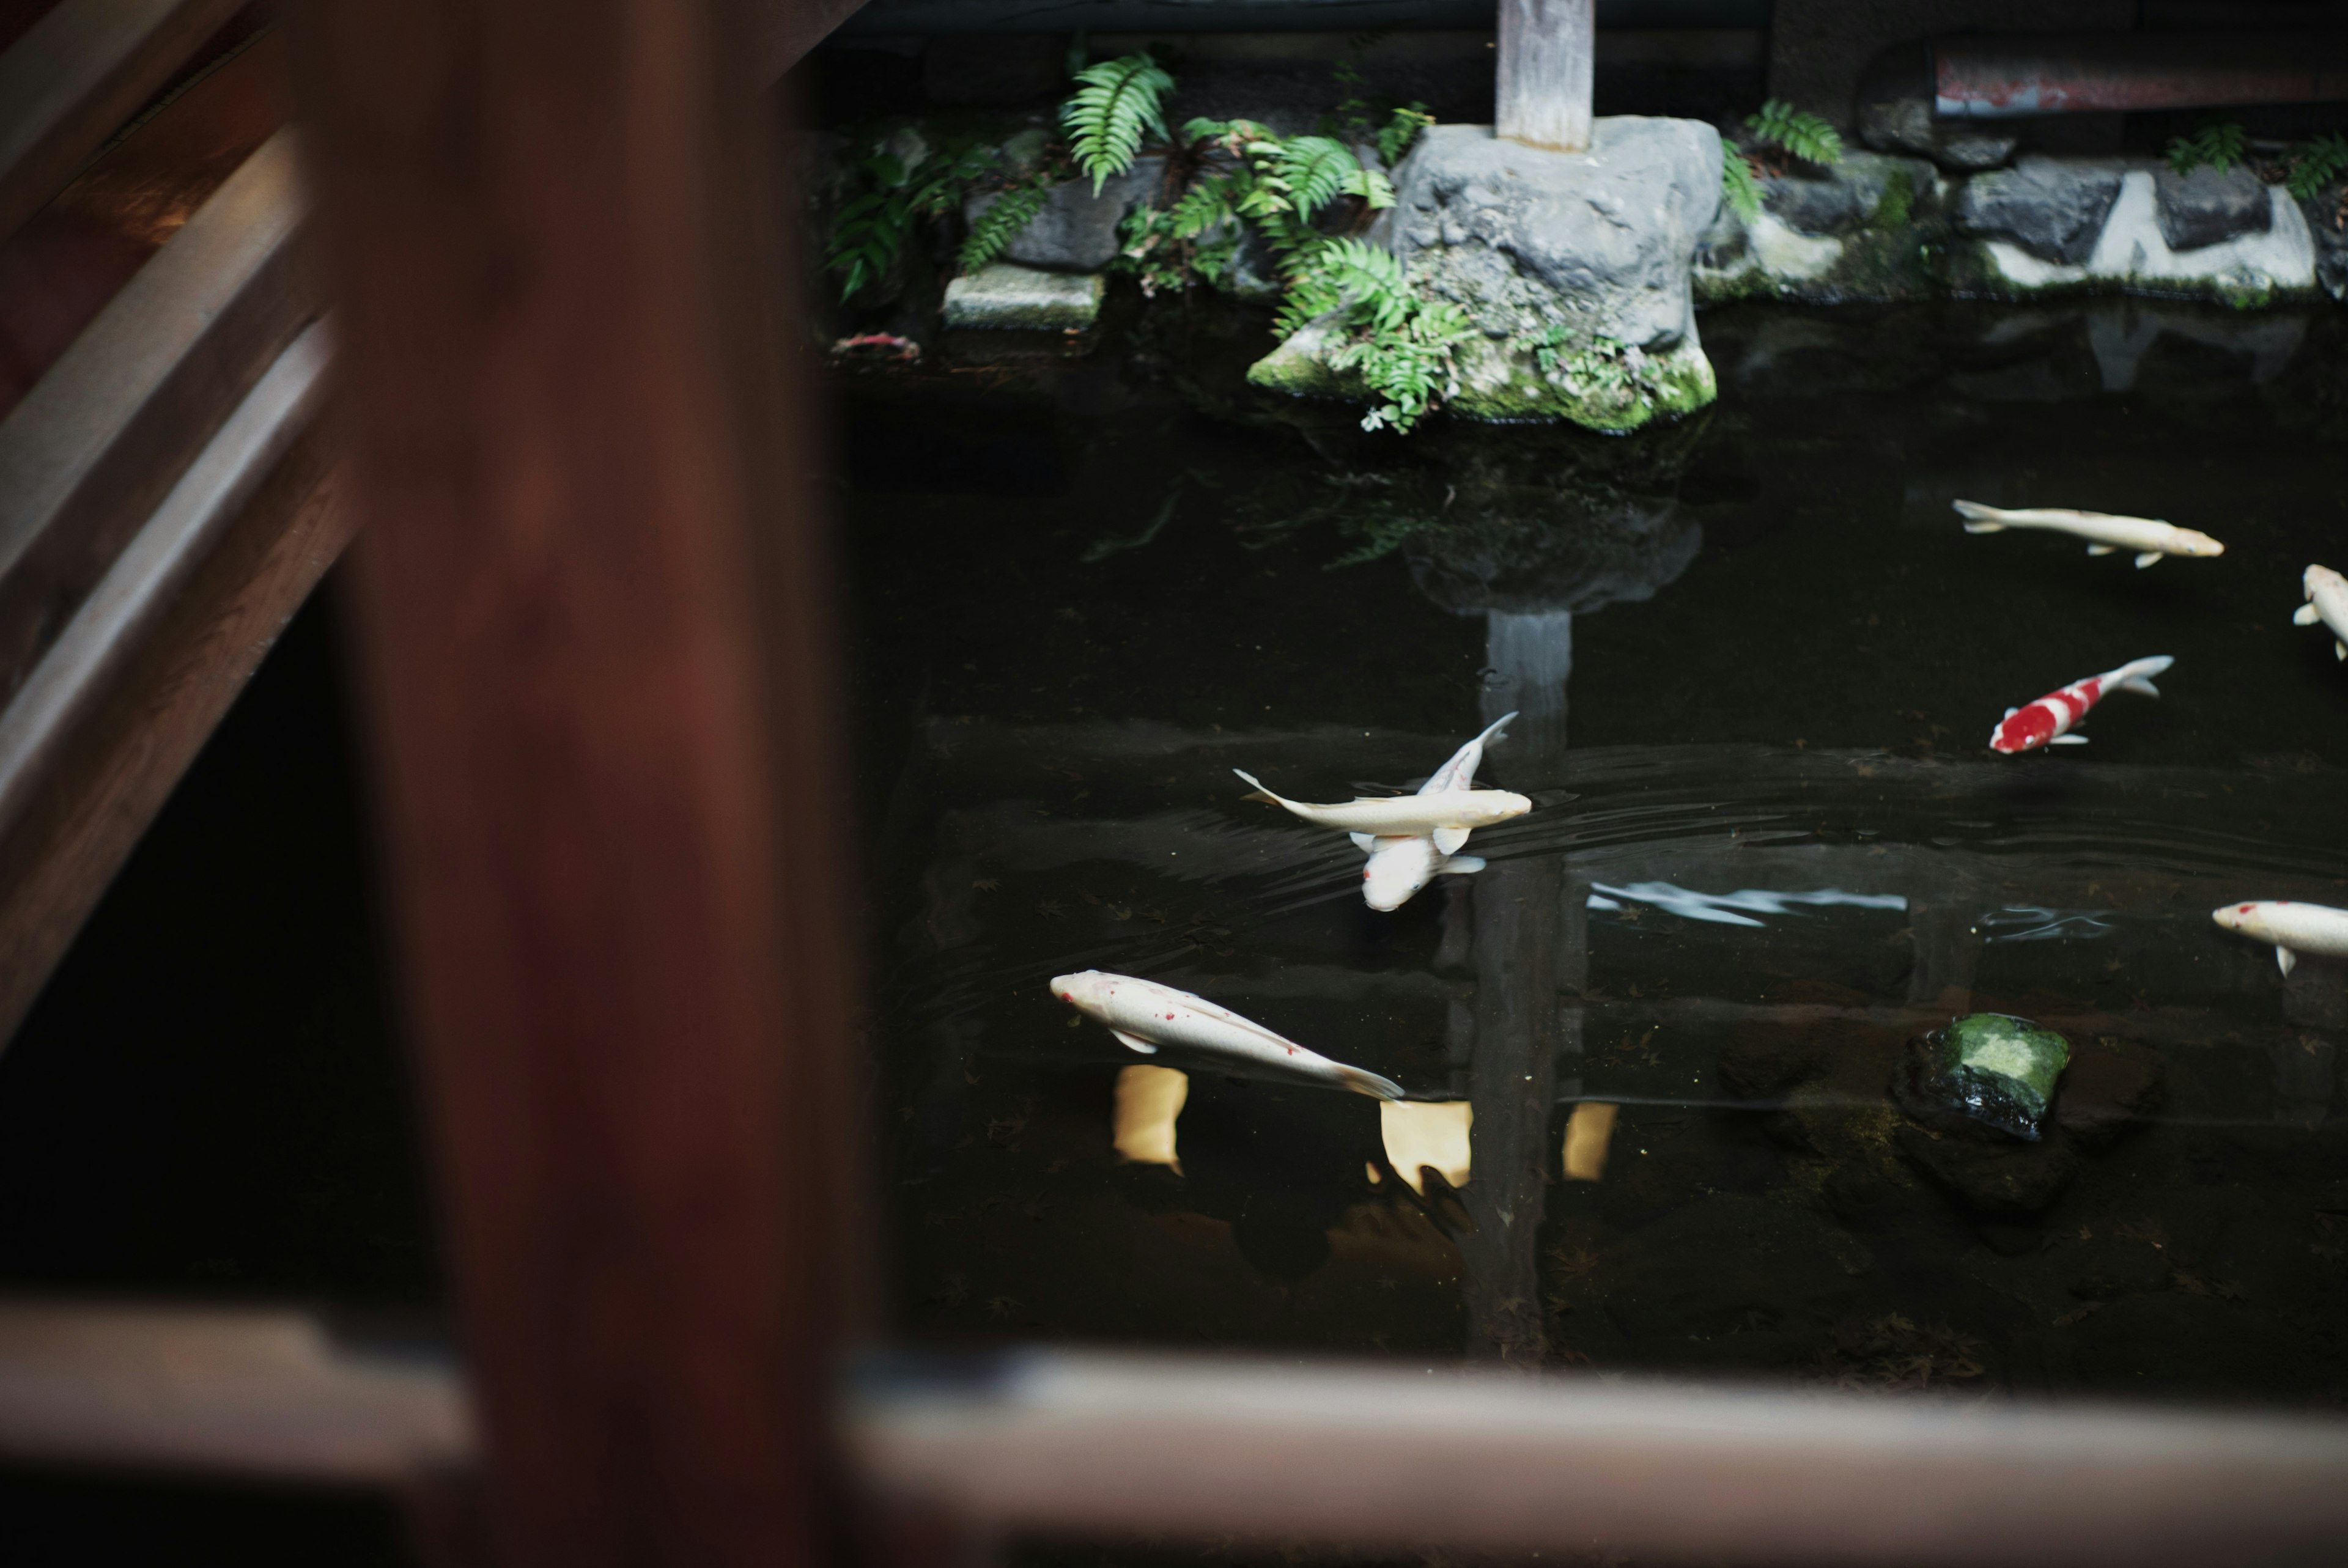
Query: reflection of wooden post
(1544,91)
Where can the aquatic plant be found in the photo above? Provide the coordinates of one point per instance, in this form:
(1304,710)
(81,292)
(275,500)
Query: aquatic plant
(1780,125)
(2220,144)
(1107,117)
(2314,164)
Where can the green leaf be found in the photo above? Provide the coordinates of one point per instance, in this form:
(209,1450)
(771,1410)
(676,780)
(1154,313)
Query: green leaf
(1000,224)
(1107,117)
(2312,165)
(1738,186)
(1402,129)
(1805,135)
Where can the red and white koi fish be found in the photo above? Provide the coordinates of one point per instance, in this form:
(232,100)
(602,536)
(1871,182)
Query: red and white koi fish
(2049,719)
(1145,1015)
(2149,537)
(1402,864)
(2293,928)
(2327,601)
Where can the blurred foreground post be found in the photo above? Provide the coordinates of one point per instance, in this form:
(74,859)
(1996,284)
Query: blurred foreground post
(1546,51)
(591,598)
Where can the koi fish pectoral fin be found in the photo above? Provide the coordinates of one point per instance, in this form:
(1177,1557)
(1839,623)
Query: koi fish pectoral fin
(2340,650)
(1363,842)
(2068,741)
(1449,840)
(2147,559)
(2306,615)
(2101,550)
(1135,1042)
(2285,959)
(2010,712)
(1462,865)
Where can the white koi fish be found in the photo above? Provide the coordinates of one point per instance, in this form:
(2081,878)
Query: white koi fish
(2049,719)
(2293,928)
(2149,537)
(2327,601)
(1446,817)
(1400,865)
(1146,1015)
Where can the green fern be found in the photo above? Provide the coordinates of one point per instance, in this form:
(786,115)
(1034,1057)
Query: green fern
(1805,135)
(1738,186)
(2221,145)
(870,230)
(1000,224)
(1116,107)
(1400,130)
(2312,165)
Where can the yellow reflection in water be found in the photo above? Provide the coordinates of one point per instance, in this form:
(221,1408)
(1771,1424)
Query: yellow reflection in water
(1426,1132)
(1147,1100)
(1586,1132)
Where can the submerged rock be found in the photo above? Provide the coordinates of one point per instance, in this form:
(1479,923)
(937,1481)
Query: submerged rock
(1020,298)
(1995,1070)
(2001,1177)
(2103,1094)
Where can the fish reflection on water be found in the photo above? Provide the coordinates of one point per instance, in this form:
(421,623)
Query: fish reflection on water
(1806,910)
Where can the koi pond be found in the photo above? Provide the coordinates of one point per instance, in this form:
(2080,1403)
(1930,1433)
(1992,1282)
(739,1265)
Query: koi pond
(1649,1050)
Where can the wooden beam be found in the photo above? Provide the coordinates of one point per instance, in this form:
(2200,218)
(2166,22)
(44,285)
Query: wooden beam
(223,1391)
(90,451)
(1543,93)
(76,75)
(93,743)
(592,607)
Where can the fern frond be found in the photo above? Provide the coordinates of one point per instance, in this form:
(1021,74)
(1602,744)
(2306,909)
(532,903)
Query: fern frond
(1000,224)
(1738,188)
(1396,135)
(1206,205)
(1107,117)
(1312,171)
(2220,146)
(1372,186)
(2312,165)
(1805,135)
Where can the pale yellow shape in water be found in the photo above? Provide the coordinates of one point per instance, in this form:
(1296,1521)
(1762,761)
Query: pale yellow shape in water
(1586,1135)
(1149,1099)
(1426,1132)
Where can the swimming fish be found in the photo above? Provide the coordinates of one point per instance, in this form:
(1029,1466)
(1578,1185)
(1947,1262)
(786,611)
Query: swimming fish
(1446,816)
(2327,601)
(2149,537)
(1400,865)
(2293,928)
(1146,1015)
(2048,721)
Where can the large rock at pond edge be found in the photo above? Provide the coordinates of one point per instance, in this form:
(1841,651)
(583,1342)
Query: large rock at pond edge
(1076,230)
(1003,298)
(1589,252)
(2206,208)
(2052,208)
(1861,229)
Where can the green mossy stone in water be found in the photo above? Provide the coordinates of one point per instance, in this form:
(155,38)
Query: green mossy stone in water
(2001,1070)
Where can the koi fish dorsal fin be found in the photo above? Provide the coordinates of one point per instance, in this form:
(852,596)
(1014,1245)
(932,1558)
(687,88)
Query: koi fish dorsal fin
(2147,560)
(1449,840)
(1135,1042)
(2102,550)
(2306,615)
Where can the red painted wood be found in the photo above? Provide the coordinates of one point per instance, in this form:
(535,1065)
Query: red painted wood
(592,601)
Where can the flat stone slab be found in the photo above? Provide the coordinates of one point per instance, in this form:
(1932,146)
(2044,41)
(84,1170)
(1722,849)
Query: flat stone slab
(1005,298)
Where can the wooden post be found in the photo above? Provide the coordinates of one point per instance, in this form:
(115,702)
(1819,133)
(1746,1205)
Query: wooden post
(1546,47)
(591,602)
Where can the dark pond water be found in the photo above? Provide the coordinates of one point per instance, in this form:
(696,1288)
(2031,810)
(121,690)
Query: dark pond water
(1757,661)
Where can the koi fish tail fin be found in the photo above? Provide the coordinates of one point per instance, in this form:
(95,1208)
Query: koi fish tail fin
(1980,519)
(1260,792)
(1496,731)
(1362,1082)
(2306,615)
(2138,677)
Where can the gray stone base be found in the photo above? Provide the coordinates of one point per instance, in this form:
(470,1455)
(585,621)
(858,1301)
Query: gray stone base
(1019,298)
